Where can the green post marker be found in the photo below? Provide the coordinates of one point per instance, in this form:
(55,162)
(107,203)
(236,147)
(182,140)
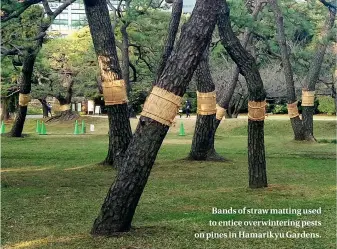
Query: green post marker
(43,129)
(76,132)
(3,129)
(182,129)
(38,127)
(83,128)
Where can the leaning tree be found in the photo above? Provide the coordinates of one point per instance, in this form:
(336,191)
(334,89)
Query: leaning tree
(29,53)
(303,129)
(112,77)
(210,103)
(158,113)
(313,74)
(256,104)
(203,139)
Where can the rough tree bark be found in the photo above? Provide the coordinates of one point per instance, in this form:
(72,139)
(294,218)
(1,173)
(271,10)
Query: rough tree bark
(25,87)
(122,199)
(315,69)
(44,107)
(126,65)
(249,69)
(225,95)
(296,122)
(104,42)
(177,9)
(203,139)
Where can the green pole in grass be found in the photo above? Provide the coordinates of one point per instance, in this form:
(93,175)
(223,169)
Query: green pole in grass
(38,127)
(182,129)
(3,129)
(76,132)
(83,127)
(43,129)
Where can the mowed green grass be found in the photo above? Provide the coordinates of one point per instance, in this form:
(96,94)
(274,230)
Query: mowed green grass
(52,188)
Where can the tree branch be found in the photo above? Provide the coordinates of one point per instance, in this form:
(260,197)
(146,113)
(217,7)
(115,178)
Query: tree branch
(46,7)
(331,6)
(16,13)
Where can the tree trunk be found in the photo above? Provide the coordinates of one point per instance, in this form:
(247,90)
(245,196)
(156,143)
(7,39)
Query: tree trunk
(314,72)
(203,139)
(249,69)
(177,8)
(288,72)
(25,88)
(104,42)
(67,114)
(119,135)
(44,107)
(4,109)
(123,197)
(225,96)
(126,65)
(125,57)
(256,155)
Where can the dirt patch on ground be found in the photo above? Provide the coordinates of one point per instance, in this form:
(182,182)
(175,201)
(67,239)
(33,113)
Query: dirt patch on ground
(177,141)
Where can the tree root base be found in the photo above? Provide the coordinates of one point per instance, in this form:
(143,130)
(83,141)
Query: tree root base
(212,156)
(64,116)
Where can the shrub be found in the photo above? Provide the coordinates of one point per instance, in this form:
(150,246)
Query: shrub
(34,110)
(326,105)
(280,109)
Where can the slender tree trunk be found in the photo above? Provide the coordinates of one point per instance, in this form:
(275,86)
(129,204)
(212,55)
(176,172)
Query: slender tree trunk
(104,42)
(177,9)
(225,95)
(44,107)
(126,65)
(314,72)
(125,56)
(249,69)
(296,122)
(25,88)
(65,115)
(123,197)
(4,109)
(203,138)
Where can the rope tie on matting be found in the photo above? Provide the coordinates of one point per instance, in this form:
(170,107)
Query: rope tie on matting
(206,103)
(64,108)
(161,106)
(257,110)
(308,98)
(220,112)
(24,99)
(293,110)
(114,92)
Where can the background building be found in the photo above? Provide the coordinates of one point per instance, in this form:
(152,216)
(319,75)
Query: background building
(74,17)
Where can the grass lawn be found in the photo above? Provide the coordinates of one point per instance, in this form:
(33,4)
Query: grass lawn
(52,189)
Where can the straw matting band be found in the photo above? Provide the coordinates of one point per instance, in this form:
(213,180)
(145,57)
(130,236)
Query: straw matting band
(308,98)
(220,112)
(293,110)
(256,110)
(206,103)
(114,92)
(161,106)
(24,99)
(64,108)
